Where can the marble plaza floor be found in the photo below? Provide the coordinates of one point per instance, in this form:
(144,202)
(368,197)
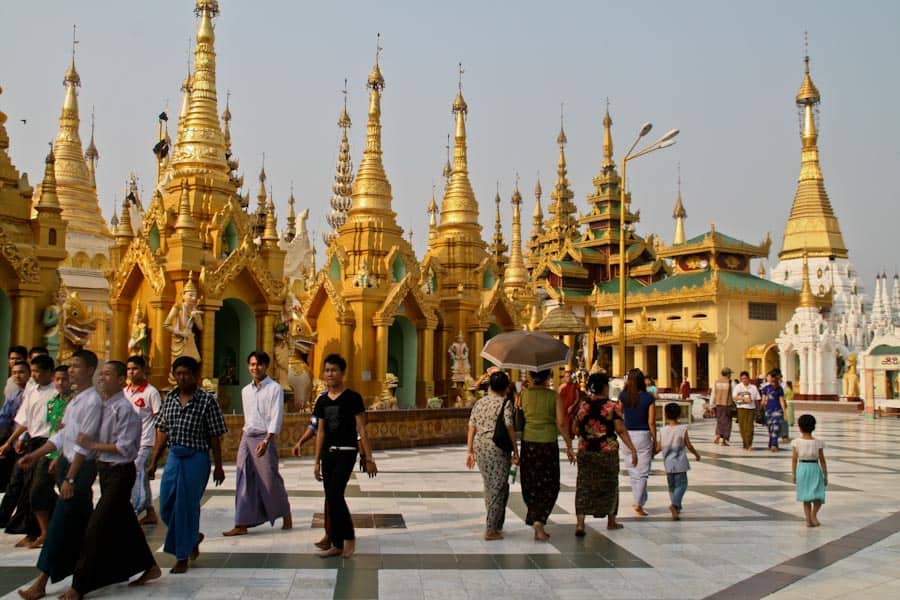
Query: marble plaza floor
(421,522)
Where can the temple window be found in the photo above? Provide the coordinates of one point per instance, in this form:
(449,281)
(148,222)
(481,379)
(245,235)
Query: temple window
(487,280)
(229,239)
(398,269)
(673,318)
(153,238)
(762,311)
(51,237)
(699,316)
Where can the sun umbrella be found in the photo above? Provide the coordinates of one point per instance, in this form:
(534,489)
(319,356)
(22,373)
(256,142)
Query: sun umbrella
(526,350)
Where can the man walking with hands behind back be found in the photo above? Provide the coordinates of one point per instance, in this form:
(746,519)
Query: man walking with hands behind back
(190,423)
(260,495)
(746,396)
(722,403)
(75,474)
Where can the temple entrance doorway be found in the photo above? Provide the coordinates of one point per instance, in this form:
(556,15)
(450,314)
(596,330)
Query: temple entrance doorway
(5,332)
(402,353)
(235,338)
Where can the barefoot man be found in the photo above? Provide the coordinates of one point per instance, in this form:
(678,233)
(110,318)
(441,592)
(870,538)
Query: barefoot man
(260,495)
(342,417)
(75,475)
(114,544)
(190,423)
(146,402)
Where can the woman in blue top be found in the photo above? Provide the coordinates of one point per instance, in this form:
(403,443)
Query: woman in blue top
(640,420)
(775,407)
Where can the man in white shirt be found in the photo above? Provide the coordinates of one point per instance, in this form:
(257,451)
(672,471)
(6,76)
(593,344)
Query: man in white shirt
(75,475)
(146,402)
(37,498)
(260,494)
(746,397)
(15,354)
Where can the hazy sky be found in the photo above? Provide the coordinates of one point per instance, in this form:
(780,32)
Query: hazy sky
(724,73)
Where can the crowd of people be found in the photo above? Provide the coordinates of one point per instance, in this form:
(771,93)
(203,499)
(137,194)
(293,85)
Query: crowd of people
(603,426)
(63,426)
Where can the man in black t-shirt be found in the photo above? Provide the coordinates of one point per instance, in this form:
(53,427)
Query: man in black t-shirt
(341,418)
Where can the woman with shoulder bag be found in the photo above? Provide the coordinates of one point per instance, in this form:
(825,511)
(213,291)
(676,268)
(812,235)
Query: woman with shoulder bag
(484,441)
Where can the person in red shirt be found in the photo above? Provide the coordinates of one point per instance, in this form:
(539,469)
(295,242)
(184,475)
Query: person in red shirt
(570,393)
(685,387)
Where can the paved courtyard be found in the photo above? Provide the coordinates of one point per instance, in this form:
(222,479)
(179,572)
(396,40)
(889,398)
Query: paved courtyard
(421,521)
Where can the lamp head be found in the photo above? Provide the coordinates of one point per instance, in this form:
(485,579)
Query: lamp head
(671,134)
(645,129)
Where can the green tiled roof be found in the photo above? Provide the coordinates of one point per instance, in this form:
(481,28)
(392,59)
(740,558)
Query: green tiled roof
(720,237)
(740,282)
(612,286)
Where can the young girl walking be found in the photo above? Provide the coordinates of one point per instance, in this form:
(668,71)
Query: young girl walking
(809,469)
(674,443)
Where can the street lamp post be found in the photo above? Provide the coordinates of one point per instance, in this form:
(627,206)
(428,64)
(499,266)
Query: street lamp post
(663,142)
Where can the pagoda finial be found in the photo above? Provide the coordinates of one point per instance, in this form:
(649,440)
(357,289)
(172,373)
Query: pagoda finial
(291,229)
(200,146)
(432,215)
(516,276)
(48,200)
(72,74)
(499,247)
(459,207)
(537,220)
(124,231)
(270,232)
(376,80)
(608,162)
(679,214)
(807,299)
(185,222)
(342,188)
(91,155)
(448,168)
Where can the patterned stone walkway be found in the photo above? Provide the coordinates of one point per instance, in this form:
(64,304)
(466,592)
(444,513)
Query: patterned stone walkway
(742,534)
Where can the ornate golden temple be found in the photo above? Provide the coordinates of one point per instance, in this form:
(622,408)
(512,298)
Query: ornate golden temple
(200,273)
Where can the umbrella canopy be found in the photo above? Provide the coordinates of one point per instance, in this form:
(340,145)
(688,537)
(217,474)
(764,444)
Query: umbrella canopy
(526,350)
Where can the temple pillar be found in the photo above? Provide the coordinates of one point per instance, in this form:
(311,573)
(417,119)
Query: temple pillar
(663,366)
(640,357)
(425,375)
(346,343)
(120,333)
(689,362)
(160,348)
(208,350)
(804,372)
(25,320)
(569,340)
(475,353)
(381,350)
(617,368)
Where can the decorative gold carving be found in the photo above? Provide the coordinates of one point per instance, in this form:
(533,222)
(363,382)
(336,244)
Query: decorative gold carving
(245,257)
(25,266)
(140,256)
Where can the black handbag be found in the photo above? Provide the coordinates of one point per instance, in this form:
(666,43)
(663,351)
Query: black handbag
(501,435)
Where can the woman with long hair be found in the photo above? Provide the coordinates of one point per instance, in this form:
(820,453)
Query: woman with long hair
(599,425)
(492,461)
(544,418)
(639,407)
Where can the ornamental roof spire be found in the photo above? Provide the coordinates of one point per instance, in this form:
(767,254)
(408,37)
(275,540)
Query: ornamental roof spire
(499,247)
(372,191)
(608,162)
(342,188)
(90,154)
(184,225)
(48,201)
(459,207)
(812,225)
(807,299)
(124,230)
(562,224)
(679,214)
(516,277)
(291,230)
(432,216)
(200,144)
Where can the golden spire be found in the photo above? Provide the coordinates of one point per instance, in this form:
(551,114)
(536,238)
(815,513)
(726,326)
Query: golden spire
(185,90)
(499,247)
(516,276)
(184,225)
(226,123)
(124,232)
(807,299)
(200,145)
(679,214)
(459,207)
(270,233)
(261,194)
(608,162)
(91,156)
(74,180)
(761,270)
(448,168)
(562,224)
(537,218)
(812,224)
(342,188)
(372,191)
(48,201)
(291,229)
(432,216)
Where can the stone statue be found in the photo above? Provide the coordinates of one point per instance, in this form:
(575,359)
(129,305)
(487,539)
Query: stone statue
(139,343)
(182,320)
(52,325)
(459,360)
(388,398)
(300,380)
(851,378)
